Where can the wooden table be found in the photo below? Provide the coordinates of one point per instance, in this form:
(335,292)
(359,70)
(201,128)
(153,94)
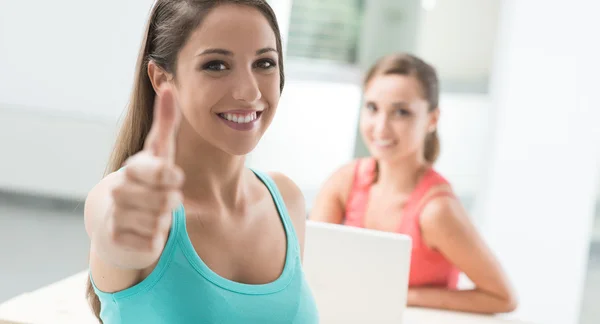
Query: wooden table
(64,302)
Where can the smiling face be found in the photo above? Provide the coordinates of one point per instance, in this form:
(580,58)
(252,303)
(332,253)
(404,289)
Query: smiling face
(227,78)
(395,118)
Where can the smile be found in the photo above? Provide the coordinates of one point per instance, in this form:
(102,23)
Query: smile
(383,143)
(240,120)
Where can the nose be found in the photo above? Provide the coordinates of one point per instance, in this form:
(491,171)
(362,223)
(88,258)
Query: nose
(381,125)
(246,88)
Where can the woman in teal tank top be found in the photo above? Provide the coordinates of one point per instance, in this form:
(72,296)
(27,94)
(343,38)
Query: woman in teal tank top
(181,231)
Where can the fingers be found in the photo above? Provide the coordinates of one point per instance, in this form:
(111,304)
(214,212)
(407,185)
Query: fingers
(138,230)
(141,213)
(161,138)
(149,200)
(141,222)
(133,241)
(153,172)
(149,187)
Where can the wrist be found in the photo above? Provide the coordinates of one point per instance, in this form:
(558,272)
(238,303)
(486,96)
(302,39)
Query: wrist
(412,297)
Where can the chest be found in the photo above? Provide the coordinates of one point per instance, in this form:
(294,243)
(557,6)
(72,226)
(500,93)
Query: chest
(203,302)
(250,249)
(385,211)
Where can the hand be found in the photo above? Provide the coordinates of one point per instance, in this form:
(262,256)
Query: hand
(150,185)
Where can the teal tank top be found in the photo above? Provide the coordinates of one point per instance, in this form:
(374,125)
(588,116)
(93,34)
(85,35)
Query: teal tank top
(182,289)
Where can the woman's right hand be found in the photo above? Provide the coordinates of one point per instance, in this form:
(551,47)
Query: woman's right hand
(146,191)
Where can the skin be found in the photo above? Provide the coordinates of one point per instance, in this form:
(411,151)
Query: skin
(191,156)
(394,123)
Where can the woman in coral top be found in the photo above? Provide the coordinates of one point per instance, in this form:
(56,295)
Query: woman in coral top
(398,190)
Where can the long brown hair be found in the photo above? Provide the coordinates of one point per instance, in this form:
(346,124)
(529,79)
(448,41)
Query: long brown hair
(410,65)
(169,26)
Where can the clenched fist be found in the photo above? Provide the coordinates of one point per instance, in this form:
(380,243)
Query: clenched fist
(149,187)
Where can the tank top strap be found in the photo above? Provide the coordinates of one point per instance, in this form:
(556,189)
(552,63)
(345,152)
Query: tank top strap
(281,207)
(428,180)
(431,196)
(365,172)
(356,203)
(431,186)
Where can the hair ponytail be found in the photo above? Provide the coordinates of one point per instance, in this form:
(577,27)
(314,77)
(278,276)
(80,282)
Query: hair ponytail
(432,147)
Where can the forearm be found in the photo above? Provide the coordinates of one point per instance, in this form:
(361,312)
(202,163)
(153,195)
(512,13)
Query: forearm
(472,301)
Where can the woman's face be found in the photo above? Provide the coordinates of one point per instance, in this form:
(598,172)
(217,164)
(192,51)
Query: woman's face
(227,78)
(395,118)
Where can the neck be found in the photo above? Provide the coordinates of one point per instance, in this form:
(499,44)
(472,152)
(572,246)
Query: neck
(401,175)
(211,175)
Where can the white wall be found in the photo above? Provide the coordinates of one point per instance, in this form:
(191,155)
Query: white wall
(312,134)
(540,191)
(459,36)
(69,54)
(66,70)
(52,153)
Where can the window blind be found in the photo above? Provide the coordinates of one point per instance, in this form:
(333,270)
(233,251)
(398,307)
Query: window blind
(325,30)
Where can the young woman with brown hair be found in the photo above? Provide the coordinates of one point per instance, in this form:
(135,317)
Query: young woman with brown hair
(181,231)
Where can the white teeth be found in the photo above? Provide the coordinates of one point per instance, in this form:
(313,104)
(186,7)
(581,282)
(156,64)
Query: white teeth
(240,119)
(383,143)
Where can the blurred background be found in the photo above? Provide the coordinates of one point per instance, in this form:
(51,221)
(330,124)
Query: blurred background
(519,124)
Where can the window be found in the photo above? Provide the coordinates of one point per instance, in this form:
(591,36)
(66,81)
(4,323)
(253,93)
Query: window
(325,30)
(337,40)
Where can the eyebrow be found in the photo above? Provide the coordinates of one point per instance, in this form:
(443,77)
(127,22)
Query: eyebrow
(400,104)
(265,50)
(230,53)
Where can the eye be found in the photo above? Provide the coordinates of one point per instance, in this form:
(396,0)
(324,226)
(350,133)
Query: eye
(265,64)
(371,107)
(402,112)
(215,66)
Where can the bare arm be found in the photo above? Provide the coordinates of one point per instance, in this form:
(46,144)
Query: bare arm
(295,203)
(447,228)
(330,203)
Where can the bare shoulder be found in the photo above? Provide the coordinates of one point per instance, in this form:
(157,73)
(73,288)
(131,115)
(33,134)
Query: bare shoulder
(329,205)
(348,168)
(444,216)
(292,195)
(441,209)
(341,180)
(345,173)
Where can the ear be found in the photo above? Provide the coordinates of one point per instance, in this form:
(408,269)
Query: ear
(158,77)
(434,116)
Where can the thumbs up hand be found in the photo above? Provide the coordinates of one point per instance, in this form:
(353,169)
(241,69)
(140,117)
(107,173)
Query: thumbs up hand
(149,186)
